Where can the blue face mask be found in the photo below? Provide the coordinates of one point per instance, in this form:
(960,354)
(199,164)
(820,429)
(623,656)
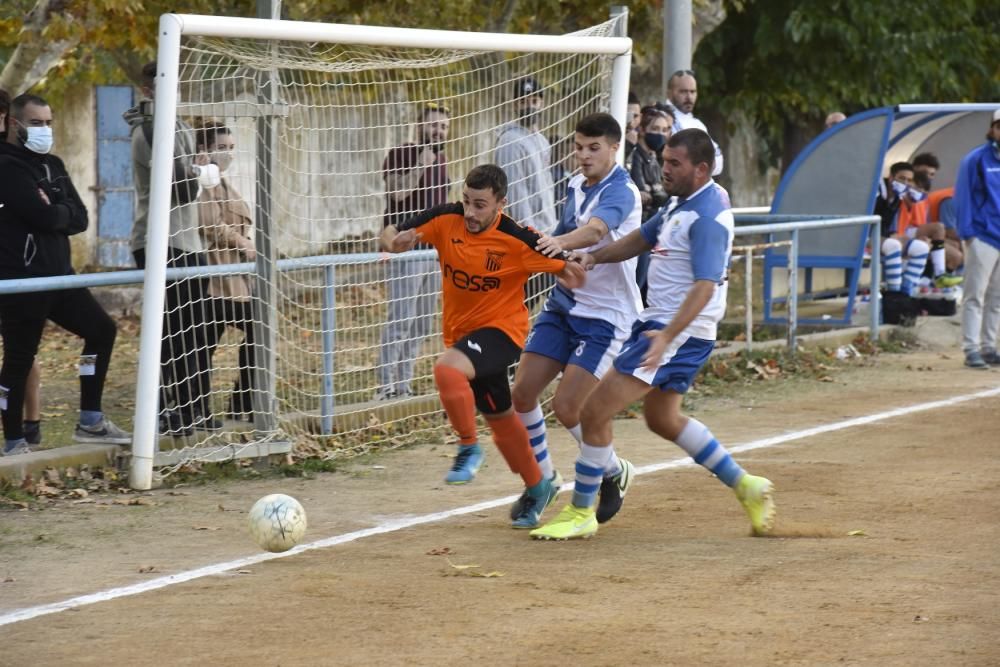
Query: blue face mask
(916,195)
(899,188)
(36,139)
(655,141)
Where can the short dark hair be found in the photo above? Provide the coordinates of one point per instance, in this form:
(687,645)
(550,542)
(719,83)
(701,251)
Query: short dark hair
(149,74)
(678,74)
(208,132)
(600,125)
(921,180)
(926,160)
(633,98)
(698,144)
(23,100)
(900,166)
(488,176)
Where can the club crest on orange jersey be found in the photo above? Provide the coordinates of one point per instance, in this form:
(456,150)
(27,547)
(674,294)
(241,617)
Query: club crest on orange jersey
(494,259)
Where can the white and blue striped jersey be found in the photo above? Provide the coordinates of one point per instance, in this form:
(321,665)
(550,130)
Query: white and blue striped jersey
(692,240)
(610,293)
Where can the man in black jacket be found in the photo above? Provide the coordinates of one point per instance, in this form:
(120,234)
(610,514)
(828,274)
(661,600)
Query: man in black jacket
(39,210)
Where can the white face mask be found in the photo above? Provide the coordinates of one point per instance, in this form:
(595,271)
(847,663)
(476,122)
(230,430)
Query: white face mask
(208,175)
(222,158)
(39,139)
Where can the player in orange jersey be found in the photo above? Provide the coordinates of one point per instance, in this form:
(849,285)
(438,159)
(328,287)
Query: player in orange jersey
(486,258)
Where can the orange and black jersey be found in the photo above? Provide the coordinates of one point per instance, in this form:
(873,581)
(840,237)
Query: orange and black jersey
(483,275)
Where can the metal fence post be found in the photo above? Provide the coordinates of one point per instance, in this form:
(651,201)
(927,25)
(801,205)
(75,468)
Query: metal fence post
(329,324)
(793,290)
(748,292)
(875,298)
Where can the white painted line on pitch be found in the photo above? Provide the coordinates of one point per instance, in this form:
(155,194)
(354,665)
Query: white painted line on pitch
(409,522)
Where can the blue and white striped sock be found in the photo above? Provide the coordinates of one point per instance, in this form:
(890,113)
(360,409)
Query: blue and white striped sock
(892,268)
(534,421)
(916,260)
(590,467)
(701,445)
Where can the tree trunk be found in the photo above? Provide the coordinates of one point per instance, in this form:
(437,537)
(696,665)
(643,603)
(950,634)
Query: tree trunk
(34,56)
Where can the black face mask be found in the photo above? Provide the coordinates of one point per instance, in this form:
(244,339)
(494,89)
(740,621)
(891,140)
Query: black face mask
(655,141)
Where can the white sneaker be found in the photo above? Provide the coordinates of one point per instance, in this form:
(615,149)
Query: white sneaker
(103,432)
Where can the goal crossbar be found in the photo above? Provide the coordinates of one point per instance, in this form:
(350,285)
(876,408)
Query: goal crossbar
(301,31)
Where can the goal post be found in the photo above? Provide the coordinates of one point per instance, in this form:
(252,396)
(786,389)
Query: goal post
(314,109)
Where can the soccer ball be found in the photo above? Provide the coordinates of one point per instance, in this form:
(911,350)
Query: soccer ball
(277,522)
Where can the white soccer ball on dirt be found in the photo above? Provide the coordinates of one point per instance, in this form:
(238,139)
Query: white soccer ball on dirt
(277,522)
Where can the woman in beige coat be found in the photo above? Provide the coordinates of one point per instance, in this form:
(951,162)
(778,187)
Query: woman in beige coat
(226,227)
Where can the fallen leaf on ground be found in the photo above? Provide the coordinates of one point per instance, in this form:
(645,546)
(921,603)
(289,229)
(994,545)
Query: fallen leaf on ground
(146,569)
(486,575)
(857,533)
(440,551)
(461,567)
(205,528)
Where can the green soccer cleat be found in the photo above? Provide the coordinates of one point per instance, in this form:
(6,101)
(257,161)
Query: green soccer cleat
(756,494)
(947,280)
(518,507)
(570,524)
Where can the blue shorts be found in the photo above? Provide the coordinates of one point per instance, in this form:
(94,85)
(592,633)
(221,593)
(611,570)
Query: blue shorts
(681,362)
(590,344)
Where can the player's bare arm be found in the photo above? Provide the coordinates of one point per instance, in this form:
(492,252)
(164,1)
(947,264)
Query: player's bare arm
(624,248)
(697,298)
(581,237)
(393,240)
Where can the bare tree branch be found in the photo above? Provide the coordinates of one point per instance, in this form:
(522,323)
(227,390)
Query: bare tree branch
(34,56)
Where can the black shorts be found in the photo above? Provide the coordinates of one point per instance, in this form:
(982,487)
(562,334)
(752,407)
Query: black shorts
(491,352)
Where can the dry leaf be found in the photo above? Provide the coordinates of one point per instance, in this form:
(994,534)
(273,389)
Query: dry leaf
(857,533)
(80,493)
(440,551)
(461,567)
(8,580)
(146,569)
(486,575)
(205,527)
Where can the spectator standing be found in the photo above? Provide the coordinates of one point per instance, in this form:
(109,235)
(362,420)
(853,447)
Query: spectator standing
(524,154)
(32,392)
(682,95)
(977,205)
(39,210)
(655,128)
(226,227)
(632,114)
(184,353)
(416,178)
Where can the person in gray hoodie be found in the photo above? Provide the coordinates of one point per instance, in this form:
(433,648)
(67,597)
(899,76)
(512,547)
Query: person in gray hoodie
(524,154)
(184,357)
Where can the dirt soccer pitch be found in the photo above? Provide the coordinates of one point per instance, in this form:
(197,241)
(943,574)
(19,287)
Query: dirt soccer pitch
(885,552)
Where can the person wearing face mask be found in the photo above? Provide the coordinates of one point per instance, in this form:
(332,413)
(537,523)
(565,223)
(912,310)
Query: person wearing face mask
(226,228)
(39,210)
(32,393)
(655,128)
(977,207)
(184,353)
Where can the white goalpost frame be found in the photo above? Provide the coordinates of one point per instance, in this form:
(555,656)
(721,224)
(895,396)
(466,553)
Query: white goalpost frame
(172,28)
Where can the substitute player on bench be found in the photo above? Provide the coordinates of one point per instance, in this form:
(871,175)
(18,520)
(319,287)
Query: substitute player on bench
(579,332)
(671,339)
(486,258)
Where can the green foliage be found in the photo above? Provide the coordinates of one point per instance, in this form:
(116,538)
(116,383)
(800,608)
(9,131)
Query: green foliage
(784,61)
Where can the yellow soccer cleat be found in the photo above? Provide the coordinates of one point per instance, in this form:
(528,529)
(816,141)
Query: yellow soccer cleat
(571,523)
(756,494)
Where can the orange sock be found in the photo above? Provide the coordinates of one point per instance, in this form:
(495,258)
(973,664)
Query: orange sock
(458,402)
(512,440)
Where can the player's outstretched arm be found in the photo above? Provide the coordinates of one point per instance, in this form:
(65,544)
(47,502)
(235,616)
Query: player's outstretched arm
(581,237)
(624,248)
(393,240)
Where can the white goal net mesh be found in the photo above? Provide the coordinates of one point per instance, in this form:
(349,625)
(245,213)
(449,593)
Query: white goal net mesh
(314,336)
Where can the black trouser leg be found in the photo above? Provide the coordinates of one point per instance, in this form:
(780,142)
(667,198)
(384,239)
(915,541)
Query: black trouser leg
(22,319)
(78,312)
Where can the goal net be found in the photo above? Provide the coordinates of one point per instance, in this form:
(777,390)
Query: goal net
(284,325)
